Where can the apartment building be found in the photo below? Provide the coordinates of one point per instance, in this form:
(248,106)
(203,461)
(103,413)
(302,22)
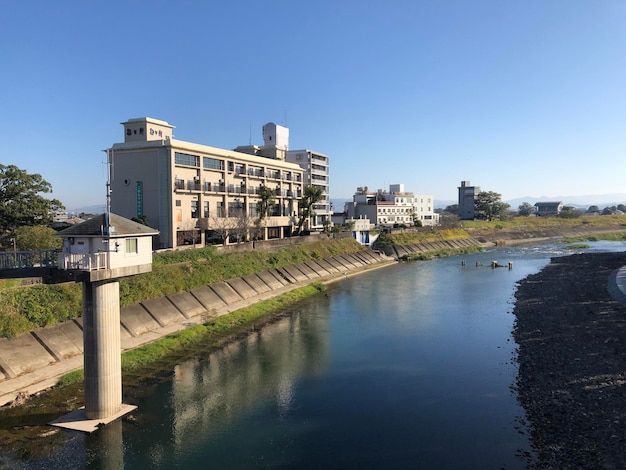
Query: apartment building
(396,206)
(314,165)
(194,193)
(316,173)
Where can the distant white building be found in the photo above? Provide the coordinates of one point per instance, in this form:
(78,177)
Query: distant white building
(396,206)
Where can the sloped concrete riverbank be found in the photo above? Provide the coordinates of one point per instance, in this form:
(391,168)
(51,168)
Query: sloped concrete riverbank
(36,360)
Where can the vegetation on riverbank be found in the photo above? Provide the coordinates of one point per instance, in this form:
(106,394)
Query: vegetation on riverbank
(441,253)
(420,235)
(26,308)
(543,222)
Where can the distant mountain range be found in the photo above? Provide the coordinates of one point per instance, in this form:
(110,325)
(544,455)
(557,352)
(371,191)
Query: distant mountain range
(579,202)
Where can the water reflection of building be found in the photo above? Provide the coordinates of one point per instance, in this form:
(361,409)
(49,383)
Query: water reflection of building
(208,392)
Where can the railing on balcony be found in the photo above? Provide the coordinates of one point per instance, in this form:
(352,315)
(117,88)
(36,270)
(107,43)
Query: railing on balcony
(83,262)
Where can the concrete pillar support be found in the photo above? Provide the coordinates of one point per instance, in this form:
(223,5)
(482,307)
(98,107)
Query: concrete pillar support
(102,348)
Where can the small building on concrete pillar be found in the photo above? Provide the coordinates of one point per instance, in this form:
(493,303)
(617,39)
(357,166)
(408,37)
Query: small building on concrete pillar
(107,246)
(97,253)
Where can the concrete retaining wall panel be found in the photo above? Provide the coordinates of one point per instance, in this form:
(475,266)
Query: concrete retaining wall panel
(332,266)
(344,262)
(208,298)
(63,341)
(294,273)
(242,288)
(225,292)
(355,260)
(308,272)
(137,320)
(273,280)
(363,258)
(256,283)
(187,304)
(162,310)
(22,354)
(318,268)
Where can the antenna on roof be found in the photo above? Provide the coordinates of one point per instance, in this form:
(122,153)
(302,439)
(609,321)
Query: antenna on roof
(106,229)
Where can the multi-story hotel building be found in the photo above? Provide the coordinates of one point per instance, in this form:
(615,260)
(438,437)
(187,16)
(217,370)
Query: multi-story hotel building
(392,207)
(191,192)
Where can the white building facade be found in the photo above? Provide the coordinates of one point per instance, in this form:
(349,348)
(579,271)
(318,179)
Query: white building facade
(316,173)
(393,207)
(194,193)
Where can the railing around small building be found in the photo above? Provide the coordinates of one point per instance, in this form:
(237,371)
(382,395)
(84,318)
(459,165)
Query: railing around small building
(83,262)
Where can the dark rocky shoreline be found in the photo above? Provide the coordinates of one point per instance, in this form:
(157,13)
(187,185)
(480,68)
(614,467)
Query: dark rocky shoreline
(572,363)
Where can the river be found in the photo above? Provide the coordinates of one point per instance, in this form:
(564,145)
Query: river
(408,366)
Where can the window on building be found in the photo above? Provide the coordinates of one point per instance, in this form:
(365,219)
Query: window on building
(220,209)
(186,159)
(131,246)
(205,212)
(178,203)
(194,209)
(212,163)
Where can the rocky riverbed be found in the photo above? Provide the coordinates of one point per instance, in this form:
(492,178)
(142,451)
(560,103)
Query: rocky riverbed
(572,363)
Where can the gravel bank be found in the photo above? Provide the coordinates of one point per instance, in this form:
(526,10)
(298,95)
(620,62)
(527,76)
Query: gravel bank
(572,363)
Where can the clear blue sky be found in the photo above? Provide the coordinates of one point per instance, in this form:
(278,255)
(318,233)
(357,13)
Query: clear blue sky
(524,98)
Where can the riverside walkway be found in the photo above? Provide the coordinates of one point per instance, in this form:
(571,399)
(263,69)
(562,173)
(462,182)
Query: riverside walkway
(35,361)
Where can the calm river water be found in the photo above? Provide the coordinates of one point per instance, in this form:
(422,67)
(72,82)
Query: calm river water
(408,366)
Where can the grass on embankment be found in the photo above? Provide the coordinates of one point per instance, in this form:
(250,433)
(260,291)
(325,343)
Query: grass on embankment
(421,235)
(546,222)
(26,308)
(441,253)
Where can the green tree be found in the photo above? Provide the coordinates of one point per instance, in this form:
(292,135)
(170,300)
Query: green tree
(36,237)
(489,206)
(266,201)
(452,209)
(525,209)
(311,195)
(21,202)
(141,220)
(569,212)
(593,209)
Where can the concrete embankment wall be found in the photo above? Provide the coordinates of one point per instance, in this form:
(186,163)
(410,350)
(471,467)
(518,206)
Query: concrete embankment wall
(34,361)
(397,251)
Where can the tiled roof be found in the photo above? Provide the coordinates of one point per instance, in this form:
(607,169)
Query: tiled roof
(120,227)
